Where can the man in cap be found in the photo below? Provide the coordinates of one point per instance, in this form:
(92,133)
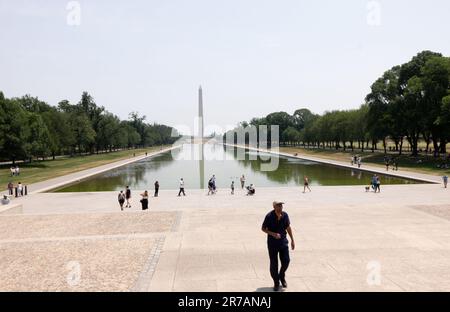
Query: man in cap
(275,225)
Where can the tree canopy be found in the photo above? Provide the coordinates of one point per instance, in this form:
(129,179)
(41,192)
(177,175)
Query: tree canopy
(30,128)
(408,102)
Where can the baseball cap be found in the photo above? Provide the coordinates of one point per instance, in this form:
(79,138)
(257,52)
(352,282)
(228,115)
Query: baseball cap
(276,203)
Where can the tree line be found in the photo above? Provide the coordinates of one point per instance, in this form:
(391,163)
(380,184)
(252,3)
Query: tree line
(30,128)
(408,103)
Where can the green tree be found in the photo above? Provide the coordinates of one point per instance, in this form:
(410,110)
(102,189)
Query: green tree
(83,133)
(290,135)
(15,131)
(37,143)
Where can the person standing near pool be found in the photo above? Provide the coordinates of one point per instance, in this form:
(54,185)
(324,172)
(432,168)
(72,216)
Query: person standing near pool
(144,200)
(10,188)
(275,225)
(121,199)
(156,188)
(306,184)
(232,187)
(242,181)
(19,189)
(445,180)
(128,197)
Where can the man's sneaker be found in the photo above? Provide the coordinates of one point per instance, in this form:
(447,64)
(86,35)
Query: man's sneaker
(276,287)
(283,283)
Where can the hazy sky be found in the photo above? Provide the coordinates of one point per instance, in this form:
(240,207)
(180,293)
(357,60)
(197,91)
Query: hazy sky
(252,57)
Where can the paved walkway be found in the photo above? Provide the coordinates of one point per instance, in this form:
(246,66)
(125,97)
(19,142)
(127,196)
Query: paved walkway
(214,243)
(347,240)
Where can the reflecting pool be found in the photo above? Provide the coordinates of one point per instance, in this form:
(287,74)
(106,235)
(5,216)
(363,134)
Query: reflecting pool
(197,163)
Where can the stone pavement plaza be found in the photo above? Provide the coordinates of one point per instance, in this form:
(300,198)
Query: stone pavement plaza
(82,241)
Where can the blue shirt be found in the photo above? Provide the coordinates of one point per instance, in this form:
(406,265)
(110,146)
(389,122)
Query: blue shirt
(273,224)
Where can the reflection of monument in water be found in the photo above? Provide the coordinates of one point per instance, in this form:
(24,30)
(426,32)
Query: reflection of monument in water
(201,149)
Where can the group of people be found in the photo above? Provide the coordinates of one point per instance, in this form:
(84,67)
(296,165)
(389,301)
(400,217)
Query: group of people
(390,161)
(124,197)
(212,188)
(20,189)
(356,160)
(15,171)
(375,184)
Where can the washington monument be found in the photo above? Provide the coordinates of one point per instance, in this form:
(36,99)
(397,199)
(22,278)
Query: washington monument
(200,114)
(201,164)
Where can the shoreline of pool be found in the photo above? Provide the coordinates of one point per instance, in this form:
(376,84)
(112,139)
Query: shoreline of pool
(419,177)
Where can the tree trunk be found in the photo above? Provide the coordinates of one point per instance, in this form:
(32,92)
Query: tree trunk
(443,147)
(414,149)
(435,148)
(401,147)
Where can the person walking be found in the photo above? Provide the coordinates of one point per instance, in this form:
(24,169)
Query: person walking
(232,187)
(10,188)
(359,161)
(445,180)
(213,179)
(378,185)
(121,199)
(275,225)
(181,188)
(210,187)
(128,197)
(156,188)
(242,181)
(374,182)
(306,184)
(144,200)
(13,171)
(17,171)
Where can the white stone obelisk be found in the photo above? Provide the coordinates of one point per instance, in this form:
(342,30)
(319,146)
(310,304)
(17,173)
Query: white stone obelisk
(200,138)
(200,115)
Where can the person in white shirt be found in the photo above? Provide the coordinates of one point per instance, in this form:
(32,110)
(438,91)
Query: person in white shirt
(181,188)
(242,181)
(19,189)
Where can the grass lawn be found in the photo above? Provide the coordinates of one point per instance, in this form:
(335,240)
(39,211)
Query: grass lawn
(405,162)
(39,171)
